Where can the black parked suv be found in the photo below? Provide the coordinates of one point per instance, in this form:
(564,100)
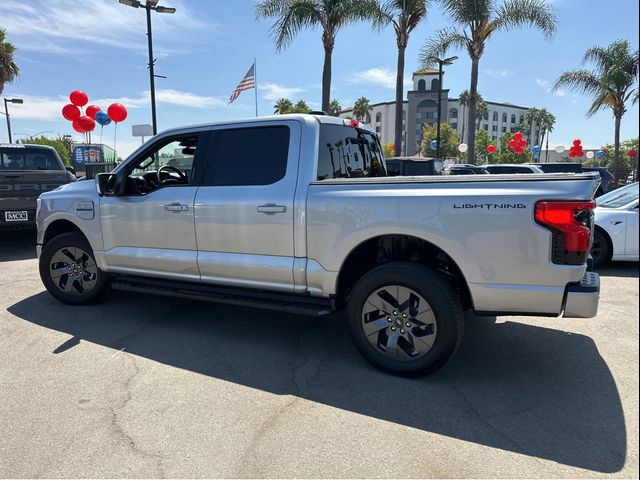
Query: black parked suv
(25,172)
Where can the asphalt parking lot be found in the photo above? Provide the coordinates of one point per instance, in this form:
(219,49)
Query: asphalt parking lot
(145,386)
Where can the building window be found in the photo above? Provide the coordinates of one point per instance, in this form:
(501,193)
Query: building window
(504,129)
(453,113)
(521,118)
(495,128)
(513,118)
(504,118)
(378,129)
(514,129)
(422,85)
(378,117)
(435,85)
(454,126)
(495,116)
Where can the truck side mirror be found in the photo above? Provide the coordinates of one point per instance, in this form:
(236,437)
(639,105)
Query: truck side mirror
(71,170)
(106,184)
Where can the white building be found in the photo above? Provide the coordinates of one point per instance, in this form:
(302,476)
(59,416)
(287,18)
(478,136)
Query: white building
(421,107)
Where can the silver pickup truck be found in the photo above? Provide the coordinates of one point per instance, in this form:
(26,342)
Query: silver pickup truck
(296,213)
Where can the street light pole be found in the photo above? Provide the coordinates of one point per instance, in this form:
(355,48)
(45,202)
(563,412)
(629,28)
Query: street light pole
(152,82)
(148,6)
(440,62)
(6,113)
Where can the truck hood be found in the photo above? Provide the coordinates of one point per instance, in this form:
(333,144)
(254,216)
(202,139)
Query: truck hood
(80,187)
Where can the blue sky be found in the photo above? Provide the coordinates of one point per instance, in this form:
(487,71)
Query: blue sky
(205,49)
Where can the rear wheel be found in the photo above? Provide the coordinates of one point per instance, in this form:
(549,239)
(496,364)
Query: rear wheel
(600,250)
(405,319)
(69,271)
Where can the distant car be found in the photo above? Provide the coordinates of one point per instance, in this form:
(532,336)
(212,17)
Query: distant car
(607,180)
(559,167)
(26,171)
(413,166)
(616,226)
(463,169)
(512,168)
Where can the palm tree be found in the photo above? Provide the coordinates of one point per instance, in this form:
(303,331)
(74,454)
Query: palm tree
(463,100)
(531,116)
(300,107)
(334,108)
(361,109)
(404,15)
(331,15)
(612,84)
(8,69)
(482,111)
(282,106)
(547,122)
(477,20)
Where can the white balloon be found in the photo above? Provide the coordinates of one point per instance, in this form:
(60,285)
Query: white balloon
(560,148)
(590,154)
(463,147)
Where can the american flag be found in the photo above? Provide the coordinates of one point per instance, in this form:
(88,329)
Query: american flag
(245,84)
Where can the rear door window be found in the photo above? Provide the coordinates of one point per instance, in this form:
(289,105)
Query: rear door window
(348,152)
(247,156)
(17,158)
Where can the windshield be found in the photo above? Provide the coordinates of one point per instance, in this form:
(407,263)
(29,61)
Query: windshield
(619,198)
(25,158)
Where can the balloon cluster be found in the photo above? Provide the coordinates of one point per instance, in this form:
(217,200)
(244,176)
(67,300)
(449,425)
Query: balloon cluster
(83,123)
(576,149)
(491,148)
(517,143)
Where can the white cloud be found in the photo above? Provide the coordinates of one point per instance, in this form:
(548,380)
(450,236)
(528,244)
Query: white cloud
(49,108)
(275,91)
(500,73)
(382,77)
(542,83)
(67,26)
(560,92)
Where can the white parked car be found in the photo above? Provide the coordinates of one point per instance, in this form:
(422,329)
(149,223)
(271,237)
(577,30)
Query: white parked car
(616,219)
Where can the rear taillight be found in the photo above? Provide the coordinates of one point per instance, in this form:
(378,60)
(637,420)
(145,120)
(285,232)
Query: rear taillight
(612,180)
(571,224)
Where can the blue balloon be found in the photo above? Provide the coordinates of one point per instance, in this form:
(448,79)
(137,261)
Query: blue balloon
(433,145)
(102,118)
(536,150)
(600,154)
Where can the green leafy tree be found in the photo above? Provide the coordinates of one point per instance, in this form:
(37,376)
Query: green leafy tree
(62,145)
(387,150)
(8,69)
(547,122)
(300,107)
(449,140)
(334,108)
(362,109)
(476,21)
(482,112)
(282,106)
(483,140)
(404,16)
(504,154)
(330,15)
(612,84)
(463,100)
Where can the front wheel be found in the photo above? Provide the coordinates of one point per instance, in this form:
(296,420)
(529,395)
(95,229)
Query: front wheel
(405,319)
(69,271)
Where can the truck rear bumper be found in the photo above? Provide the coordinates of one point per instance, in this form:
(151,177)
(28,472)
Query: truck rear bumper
(582,298)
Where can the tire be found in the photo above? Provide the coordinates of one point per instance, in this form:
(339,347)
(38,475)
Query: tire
(69,271)
(405,319)
(600,249)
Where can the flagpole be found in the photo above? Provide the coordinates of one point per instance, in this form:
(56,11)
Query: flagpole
(255,82)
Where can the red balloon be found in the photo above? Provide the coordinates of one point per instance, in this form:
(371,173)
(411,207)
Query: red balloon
(519,150)
(512,144)
(576,142)
(632,153)
(70,112)
(86,123)
(77,127)
(92,110)
(491,148)
(79,98)
(580,154)
(117,112)
(523,143)
(517,136)
(572,154)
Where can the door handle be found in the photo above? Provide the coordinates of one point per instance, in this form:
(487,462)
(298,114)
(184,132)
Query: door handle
(176,207)
(271,208)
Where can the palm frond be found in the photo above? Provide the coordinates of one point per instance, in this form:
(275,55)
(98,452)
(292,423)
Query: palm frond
(292,16)
(468,12)
(517,13)
(443,40)
(582,81)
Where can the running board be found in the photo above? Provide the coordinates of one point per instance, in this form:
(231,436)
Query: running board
(284,302)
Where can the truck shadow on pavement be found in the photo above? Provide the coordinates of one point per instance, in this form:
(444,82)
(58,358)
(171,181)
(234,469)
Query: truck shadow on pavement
(619,269)
(524,389)
(17,244)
